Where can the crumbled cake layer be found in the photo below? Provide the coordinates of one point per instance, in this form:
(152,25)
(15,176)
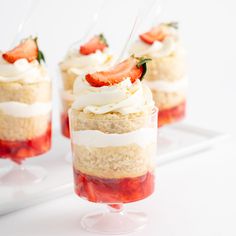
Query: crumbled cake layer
(68,79)
(165,100)
(15,128)
(25,93)
(114,162)
(109,122)
(169,68)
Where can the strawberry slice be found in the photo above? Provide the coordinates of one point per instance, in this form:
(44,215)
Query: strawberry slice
(27,49)
(155,34)
(98,42)
(158,33)
(133,68)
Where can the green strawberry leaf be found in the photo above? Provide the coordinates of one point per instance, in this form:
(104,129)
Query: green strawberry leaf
(142,61)
(103,39)
(40,56)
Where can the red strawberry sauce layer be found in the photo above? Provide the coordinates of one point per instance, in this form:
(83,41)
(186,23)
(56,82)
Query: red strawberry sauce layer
(18,151)
(171,115)
(122,190)
(65,129)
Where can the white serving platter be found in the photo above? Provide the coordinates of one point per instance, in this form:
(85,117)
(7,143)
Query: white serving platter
(182,140)
(174,142)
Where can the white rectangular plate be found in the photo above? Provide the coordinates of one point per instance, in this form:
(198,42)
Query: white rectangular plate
(174,142)
(180,140)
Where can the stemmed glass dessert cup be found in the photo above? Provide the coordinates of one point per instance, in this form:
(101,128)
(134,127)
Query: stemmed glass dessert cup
(69,77)
(166,73)
(25,117)
(24,137)
(113,164)
(21,136)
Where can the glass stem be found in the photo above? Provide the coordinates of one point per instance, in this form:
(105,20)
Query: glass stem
(116,208)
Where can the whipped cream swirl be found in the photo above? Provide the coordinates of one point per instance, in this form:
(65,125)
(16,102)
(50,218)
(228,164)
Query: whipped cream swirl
(123,98)
(22,71)
(78,63)
(156,50)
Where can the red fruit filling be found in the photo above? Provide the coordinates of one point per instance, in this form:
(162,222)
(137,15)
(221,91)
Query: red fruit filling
(18,151)
(65,129)
(168,116)
(122,190)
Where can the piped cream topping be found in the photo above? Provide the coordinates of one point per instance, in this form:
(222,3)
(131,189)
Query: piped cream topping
(156,50)
(22,71)
(77,63)
(124,98)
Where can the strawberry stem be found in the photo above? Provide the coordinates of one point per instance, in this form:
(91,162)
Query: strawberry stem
(40,56)
(142,61)
(103,39)
(173,24)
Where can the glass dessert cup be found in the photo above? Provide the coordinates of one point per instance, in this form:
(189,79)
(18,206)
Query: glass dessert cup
(113,163)
(24,136)
(169,94)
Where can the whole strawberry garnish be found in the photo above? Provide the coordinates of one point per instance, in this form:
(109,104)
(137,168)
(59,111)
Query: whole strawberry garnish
(27,49)
(133,68)
(158,33)
(98,42)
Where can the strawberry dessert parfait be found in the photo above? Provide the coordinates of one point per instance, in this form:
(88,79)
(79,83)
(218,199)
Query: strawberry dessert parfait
(25,102)
(92,56)
(166,74)
(113,133)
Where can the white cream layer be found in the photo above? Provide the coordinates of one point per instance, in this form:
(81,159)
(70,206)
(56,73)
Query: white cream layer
(95,138)
(167,86)
(78,63)
(155,50)
(22,71)
(23,110)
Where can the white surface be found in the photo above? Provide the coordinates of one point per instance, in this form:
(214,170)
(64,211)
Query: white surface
(194,196)
(57,182)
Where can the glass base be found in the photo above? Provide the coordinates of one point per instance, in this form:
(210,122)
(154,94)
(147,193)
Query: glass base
(114,221)
(22,175)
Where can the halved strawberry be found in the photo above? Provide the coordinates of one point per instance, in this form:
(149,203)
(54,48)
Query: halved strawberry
(133,68)
(157,33)
(27,49)
(98,42)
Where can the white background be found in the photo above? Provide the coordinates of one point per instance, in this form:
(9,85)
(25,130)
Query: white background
(196,196)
